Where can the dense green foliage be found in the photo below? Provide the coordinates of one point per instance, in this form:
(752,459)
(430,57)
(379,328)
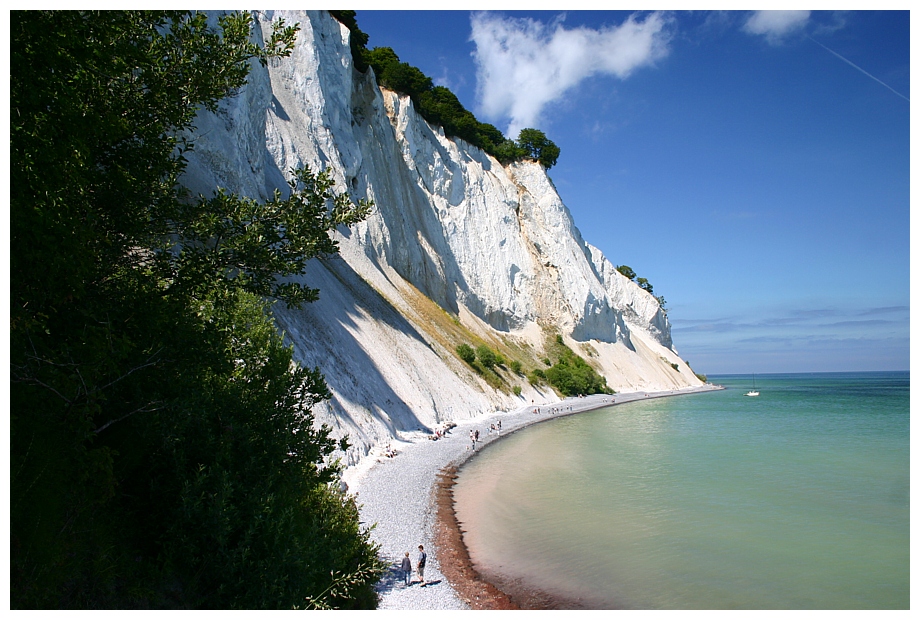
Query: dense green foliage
(466,353)
(537,146)
(486,356)
(162,447)
(572,376)
(439,106)
(536,376)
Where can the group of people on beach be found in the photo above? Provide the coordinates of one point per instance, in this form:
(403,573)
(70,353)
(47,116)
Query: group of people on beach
(554,410)
(441,432)
(569,408)
(419,567)
(495,427)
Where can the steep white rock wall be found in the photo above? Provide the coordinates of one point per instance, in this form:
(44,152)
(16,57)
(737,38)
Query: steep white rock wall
(494,246)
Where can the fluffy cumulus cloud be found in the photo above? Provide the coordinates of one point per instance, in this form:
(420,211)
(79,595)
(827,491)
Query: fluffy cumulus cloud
(776,25)
(524,65)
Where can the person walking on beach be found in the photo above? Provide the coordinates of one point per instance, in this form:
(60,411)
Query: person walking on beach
(420,565)
(407,569)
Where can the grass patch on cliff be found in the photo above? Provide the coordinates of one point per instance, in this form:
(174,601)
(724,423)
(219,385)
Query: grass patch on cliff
(448,336)
(504,362)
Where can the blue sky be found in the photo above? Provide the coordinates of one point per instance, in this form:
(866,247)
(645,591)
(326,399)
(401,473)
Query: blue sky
(755,168)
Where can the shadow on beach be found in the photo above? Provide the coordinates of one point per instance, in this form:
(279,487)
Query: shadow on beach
(391,580)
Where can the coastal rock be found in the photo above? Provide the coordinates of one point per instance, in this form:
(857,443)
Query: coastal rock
(459,249)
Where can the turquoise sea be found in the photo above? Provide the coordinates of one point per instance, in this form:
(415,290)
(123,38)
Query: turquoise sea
(796,499)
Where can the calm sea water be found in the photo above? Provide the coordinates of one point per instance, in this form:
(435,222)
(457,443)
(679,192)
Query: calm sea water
(796,499)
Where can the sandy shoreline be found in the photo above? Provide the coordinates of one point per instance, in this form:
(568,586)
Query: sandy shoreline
(409,502)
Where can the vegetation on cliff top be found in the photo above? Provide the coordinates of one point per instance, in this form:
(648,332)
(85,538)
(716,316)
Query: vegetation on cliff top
(162,447)
(643,283)
(439,106)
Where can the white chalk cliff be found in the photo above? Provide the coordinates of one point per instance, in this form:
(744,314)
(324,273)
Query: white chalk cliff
(459,249)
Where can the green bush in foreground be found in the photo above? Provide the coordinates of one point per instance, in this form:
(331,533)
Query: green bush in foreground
(163,452)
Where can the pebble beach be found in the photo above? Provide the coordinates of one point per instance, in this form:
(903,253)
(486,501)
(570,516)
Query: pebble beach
(398,498)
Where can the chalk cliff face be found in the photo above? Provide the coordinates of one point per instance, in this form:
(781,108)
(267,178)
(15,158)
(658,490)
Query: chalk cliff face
(458,249)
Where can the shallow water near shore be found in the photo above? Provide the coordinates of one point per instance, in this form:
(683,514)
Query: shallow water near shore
(796,499)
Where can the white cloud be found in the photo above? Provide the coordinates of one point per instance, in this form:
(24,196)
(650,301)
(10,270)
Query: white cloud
(776,25)
(524,65)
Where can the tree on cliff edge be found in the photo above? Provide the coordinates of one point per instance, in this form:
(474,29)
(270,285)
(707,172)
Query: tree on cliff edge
(162,447)
(537,146)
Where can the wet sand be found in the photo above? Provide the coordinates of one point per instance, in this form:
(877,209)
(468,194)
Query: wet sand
(429,469)
(456,565)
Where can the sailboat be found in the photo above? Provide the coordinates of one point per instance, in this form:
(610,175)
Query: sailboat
(753,391)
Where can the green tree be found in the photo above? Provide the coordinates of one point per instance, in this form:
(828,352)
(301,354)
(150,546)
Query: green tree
(627,271)
(405,78)
(508,151)
(162,446)
(439,106)
(644,285)
(537,146)
(466,353)
(573,376)
(379,59)
(486,356)
(490,137)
